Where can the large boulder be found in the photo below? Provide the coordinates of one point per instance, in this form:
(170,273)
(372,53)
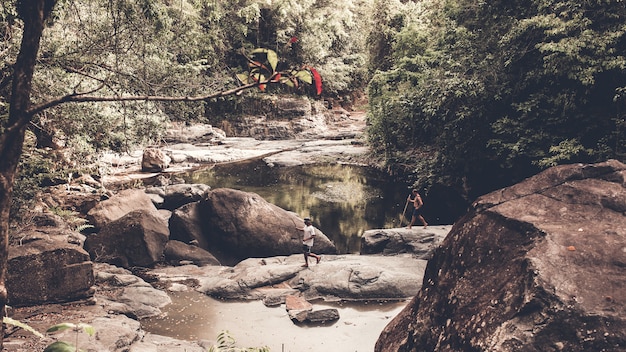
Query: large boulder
(48,269)
(119,205)
(136,239)
(186,225)
(174,196)
(538,266)
(235,225)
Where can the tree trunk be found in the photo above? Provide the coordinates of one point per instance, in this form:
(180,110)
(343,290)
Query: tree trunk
(33,13)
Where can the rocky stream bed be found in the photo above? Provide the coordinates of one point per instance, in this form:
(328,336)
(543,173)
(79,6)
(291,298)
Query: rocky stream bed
(537,266)
(121,297)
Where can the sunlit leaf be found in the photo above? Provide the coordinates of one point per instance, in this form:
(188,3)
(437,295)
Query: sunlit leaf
(88,329)
(243,77)
(61,327)
(60,346)
(304,76)
(272,57)
(288,82)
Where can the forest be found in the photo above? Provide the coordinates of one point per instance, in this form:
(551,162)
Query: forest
(480,95)
(470,96)
(467,95)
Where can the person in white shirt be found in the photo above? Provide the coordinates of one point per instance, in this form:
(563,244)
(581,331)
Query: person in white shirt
(307,242)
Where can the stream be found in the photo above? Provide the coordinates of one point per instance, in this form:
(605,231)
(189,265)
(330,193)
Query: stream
(343,201)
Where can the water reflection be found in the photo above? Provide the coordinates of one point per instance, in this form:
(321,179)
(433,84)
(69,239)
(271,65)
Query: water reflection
(343,201)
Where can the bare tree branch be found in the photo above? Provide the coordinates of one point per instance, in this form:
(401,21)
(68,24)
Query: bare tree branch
(86,97)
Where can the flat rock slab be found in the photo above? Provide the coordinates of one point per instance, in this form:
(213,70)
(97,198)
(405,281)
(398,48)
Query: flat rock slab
(274,152)
(297,303)
(417,240)
(298,308)
(337,277)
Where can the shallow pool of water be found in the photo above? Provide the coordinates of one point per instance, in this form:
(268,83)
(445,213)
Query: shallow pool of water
(194,316)
(343,201)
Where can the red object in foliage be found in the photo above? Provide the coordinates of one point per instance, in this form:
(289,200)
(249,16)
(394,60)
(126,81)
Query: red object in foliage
(317,80)
(293,40)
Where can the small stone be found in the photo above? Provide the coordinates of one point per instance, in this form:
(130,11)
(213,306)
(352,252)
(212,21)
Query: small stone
(322,316)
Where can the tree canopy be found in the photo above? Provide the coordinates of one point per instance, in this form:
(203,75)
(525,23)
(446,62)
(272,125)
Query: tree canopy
(122,52)
(481,95)
(164,48)
(468,95)
(100,51)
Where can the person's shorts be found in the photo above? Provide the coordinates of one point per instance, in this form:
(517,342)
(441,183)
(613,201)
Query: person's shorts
(417,212)
(306,249)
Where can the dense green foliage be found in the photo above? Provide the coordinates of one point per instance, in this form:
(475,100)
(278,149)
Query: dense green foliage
(172,49)
(469,95)
(482,94)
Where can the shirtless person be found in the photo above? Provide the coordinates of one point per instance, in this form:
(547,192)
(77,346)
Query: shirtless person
(417,202)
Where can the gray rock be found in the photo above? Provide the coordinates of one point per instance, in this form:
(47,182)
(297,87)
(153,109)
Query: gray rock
(128,294)
(273,301)
(118,333)
(538,266)
(418,241)
(323,315)
(112,333)
(177,252)
(156,343)
(47,263)
(48,270)
(154,160)
(348,277)
(197,133)
(117,279)
(362,277)
(174,196)
(235,225)
(297,308)
(186,225)
(143,301)
(119,205)
(136,239)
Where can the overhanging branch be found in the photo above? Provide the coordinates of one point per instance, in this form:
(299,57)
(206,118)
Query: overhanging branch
(85,97)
